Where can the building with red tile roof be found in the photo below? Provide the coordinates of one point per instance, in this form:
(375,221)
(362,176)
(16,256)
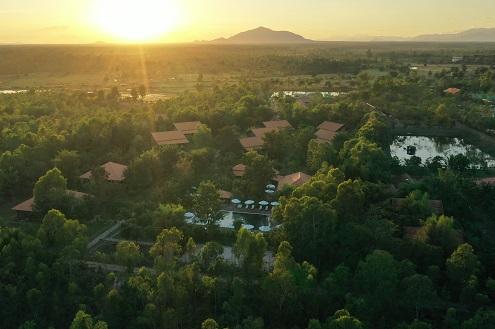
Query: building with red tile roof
(296,179)
(325,136)
(239,170)
(452,91)
(188,128)
(261,132)
(28,205)
(486,181)
(225,195)
(252,143)
(331,126)
(170,138)
(115,172)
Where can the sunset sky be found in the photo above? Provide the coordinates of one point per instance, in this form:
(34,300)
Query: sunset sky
(82,21)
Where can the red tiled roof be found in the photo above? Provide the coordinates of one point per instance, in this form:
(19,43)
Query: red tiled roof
(486,181)
(169,138)
(252,143)
(239,170)
(225,195)
(296,179)
(331,126)
(325,135)
(277,124)
(261,132)
(452,91)
(188,127)
(27,206)
(114,171)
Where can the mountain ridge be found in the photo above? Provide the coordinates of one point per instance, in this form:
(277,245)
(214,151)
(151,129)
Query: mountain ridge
(262,35)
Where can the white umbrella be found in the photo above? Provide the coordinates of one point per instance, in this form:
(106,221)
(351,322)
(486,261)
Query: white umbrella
(275,203)
(270,187)
(265,228)
(269,191)
(264,203)
(248,227)
(249,202)
(236,201)
(189,215)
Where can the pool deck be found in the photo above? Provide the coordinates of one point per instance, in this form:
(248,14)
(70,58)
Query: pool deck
(247,211)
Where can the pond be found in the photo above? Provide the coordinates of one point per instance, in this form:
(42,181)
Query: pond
(297,94)
(430,147)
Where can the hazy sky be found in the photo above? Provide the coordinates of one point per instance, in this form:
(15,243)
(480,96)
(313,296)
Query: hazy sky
(72,21)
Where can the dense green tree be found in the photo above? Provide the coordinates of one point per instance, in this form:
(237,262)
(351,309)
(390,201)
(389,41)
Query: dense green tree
(259,173)
(462,264)
(167,248)
(206,203)
(69,163)
(249,249)
(50,191)
(127,253)
(83,320)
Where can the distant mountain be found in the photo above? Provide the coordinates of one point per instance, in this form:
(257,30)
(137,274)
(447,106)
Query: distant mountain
(262,35)
(473,35)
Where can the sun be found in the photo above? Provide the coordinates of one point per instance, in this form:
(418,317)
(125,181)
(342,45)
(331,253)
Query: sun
(136,20)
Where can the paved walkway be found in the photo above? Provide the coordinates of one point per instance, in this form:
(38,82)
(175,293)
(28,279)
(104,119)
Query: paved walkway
(108,233)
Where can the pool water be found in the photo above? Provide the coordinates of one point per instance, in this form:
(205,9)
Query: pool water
(252,219)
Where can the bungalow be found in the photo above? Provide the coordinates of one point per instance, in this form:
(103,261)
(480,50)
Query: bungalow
(296,179)
(331,126)
(239,170)
(25,208)
(327,131)
(281,124)
(114,172)
(188,128)
(486,181)
(252,143)
(452,91)
(170,138)
(325,136)
(261,132)
(225,195)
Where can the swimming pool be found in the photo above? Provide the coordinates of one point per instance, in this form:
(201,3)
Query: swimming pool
(251,219)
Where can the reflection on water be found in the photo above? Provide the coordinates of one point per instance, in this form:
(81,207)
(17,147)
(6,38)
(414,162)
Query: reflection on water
(10,92)
(430,147)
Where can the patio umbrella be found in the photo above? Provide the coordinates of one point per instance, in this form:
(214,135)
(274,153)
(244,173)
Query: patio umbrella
(269,191)
(275,203)
(248,227)
(271,187)
(189,216)
(249,202)
(236,201)
(265,228)
(264,203)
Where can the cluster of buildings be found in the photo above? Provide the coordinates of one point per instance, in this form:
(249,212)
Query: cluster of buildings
(325,133)
(114,172)
(256,140)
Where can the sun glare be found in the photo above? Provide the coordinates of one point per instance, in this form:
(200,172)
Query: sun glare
(136,20)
